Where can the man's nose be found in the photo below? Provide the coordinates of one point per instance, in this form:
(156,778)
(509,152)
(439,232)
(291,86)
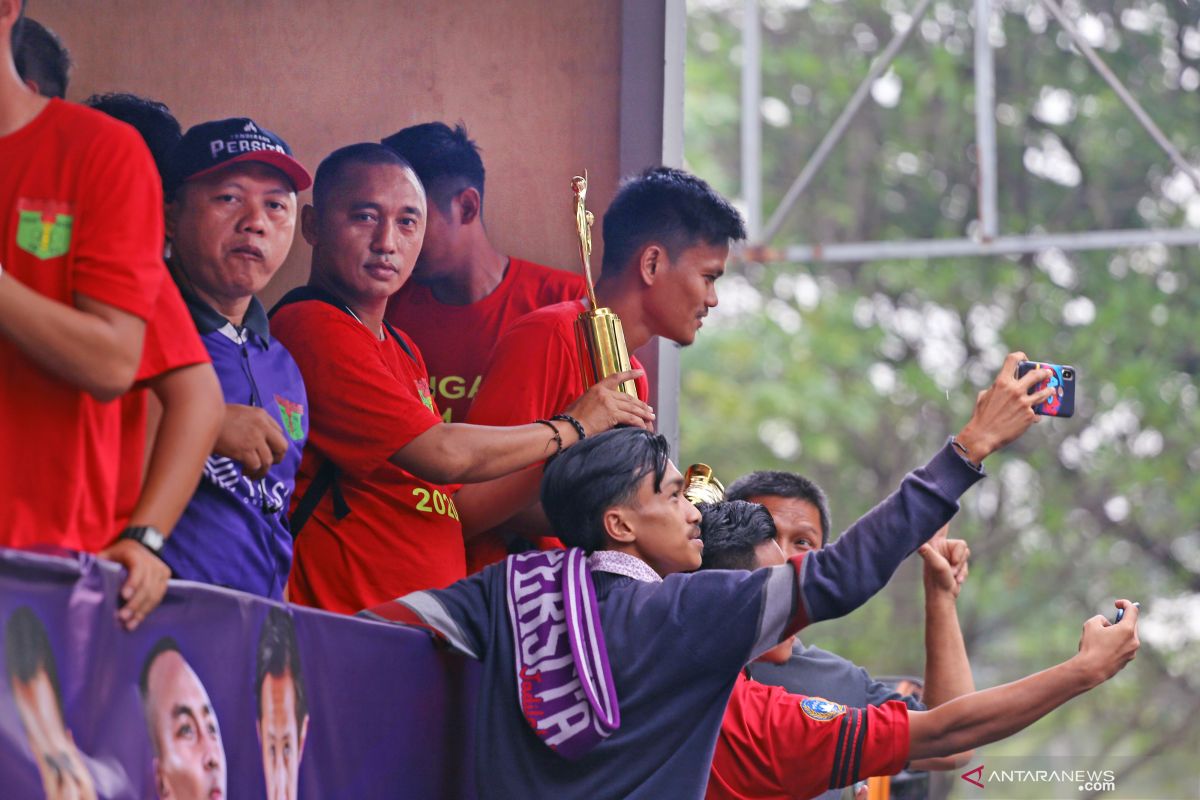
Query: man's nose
(385,239)
(254,218)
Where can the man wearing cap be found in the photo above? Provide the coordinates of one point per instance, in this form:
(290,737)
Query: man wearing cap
(231,214)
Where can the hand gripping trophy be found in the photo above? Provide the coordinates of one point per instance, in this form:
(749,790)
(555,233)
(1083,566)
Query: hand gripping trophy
(599,336)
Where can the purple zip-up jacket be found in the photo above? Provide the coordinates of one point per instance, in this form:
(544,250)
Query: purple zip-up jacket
(234,530)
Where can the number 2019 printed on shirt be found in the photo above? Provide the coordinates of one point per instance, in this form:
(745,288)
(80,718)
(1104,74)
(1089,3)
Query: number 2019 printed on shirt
(435,502)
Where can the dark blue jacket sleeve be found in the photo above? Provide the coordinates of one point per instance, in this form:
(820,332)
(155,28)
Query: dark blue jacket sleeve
(841,577)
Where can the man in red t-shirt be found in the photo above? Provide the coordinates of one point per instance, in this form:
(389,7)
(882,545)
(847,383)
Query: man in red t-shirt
(189,407)
(463,293)
(666,240)
(774,744)
(389,522)
(80,248)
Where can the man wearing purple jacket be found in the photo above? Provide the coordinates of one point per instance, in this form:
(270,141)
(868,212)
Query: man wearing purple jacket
(621,664)
(231,216)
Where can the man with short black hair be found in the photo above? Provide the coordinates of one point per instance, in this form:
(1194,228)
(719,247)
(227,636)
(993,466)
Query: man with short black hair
(463,293)
(666,239)
(42,60)
(37,694)
(173,697)
(780,745)
(384,516)
(175,367)
(800,512)
(282,704)
(622,666)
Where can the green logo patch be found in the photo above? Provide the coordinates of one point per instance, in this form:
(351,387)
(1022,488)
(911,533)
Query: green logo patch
(293,416)
(41,237)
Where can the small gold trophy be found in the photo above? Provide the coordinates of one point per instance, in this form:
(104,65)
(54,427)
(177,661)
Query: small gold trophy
(701,485)
(599,336)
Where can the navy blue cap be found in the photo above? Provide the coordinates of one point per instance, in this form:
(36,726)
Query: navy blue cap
(211,145)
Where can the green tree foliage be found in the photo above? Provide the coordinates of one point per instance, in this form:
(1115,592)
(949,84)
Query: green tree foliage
(854,374)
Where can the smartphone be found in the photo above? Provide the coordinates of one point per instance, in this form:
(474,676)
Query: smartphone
(1062,381)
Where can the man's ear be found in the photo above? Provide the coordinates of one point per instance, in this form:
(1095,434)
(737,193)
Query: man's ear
(651,263)
(303,737)
(470,205)
(160,783)
(171,217)
(308,224)
(617,526)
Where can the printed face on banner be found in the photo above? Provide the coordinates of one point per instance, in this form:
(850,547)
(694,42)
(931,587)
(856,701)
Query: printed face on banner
(189,757)
(281,737)
(64,776)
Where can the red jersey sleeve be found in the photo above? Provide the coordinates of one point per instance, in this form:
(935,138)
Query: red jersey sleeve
(820,745)
(777,744)
(119,223)
(172,340)
(533,374)
(367,397)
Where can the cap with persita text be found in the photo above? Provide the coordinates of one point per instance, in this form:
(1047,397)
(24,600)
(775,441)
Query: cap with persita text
(211,145)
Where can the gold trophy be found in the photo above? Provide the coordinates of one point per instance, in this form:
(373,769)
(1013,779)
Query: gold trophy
(701,485)
(599,336)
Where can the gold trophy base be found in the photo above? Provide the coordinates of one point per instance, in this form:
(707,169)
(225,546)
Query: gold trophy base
(600,340)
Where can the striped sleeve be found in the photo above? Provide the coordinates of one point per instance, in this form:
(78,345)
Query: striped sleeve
(870,741)
(460,614)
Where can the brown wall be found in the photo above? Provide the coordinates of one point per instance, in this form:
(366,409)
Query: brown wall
(536,81)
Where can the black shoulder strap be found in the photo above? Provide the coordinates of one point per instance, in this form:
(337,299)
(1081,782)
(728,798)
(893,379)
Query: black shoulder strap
(327,473)
(302,293)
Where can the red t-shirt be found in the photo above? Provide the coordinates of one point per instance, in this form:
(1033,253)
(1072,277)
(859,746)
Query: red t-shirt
(80,213)
(172,342)
(367,399)
(533,374)
(457,340)
(774,744)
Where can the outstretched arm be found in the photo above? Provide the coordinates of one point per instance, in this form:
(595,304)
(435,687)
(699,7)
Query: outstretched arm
(462,453)
(843,576)
(993,714)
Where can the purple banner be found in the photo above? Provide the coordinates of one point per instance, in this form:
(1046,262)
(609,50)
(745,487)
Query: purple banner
(218,694)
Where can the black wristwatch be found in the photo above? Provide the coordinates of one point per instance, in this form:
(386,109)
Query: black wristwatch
(147,536)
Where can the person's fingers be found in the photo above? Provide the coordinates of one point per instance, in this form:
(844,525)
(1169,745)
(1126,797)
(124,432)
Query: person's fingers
(1032,378)
(631,405)
(262,451)
(1098,621)
(1009,369)
(1039,396)
(276,442)
(616,379)
(149,593)
(1132,612)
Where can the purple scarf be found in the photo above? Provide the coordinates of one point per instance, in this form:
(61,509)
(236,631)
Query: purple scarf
(564,683)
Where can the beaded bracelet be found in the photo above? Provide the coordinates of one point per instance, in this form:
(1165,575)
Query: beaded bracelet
(558,442)
(576,424)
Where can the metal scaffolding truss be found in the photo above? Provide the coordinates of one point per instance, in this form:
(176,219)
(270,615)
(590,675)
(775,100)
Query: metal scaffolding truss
(988,240)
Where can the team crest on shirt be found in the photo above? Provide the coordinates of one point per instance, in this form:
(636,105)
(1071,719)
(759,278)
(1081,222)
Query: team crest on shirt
(820,709)
(424,393)
(44,227)
(293,417)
